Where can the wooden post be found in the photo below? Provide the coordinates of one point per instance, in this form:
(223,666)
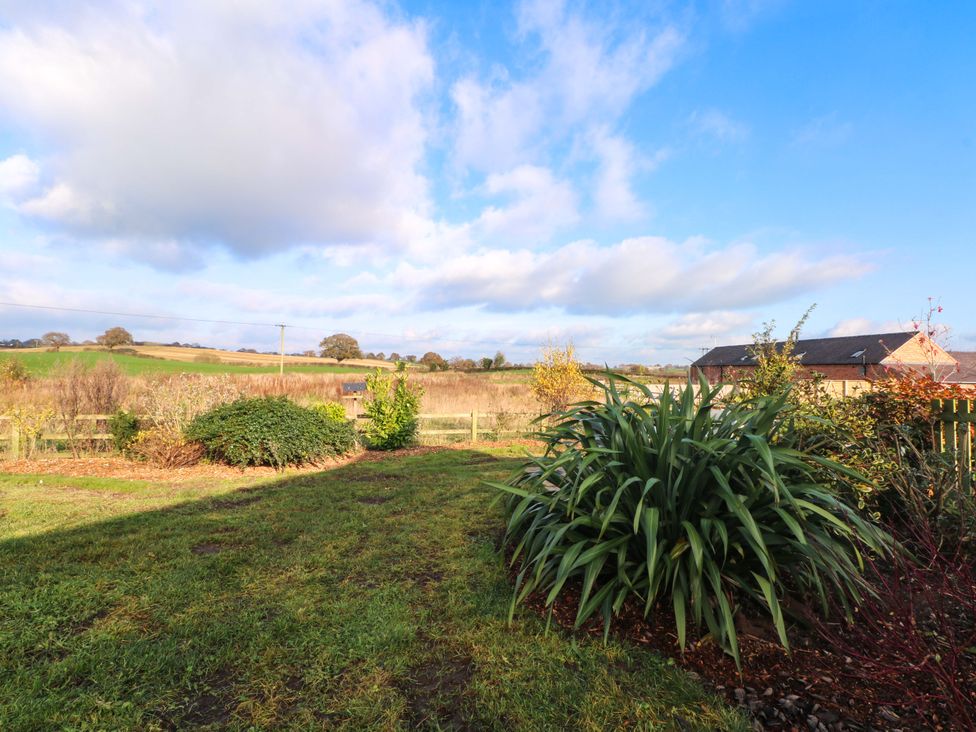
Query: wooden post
(281,362)
(14,440)
(965,442)
(843,388)
(948,429)
(474,426)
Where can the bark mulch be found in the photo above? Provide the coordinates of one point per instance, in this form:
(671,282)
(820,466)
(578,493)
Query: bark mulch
(810,689)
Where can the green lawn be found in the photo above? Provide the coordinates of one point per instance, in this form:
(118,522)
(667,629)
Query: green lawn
(41,364)
(368,597)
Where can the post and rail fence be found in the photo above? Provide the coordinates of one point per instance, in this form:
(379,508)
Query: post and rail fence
(463,426)
(956,423)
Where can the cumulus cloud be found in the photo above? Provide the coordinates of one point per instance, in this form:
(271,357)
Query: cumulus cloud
(862,326)
(542,205)
(18,175)
(613,195)
(253,300)
(695,326)
(589,74)
(215,122)
(646,274)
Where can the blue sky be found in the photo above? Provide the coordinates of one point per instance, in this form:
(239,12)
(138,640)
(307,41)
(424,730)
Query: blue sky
(645,179)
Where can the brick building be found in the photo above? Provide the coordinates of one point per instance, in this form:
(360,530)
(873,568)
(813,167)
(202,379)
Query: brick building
(859,358)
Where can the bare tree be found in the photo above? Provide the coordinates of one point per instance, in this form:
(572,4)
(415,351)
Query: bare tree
(70,398)
(55,339)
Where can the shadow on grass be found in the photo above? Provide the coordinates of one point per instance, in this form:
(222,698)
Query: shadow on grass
(368,596)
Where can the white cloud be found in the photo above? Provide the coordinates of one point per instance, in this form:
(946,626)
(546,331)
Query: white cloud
(646,274)
(18,175)
(613,195)
(261,301)
(863,326)
(209,121)
(695,326)
(718,125)
(589,74)
(60,203)
(496,124)
(542,206)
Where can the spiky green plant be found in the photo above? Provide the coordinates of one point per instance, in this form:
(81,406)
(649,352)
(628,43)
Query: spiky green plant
(672,501)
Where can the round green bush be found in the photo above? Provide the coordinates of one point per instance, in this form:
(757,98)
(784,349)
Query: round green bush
(269,431)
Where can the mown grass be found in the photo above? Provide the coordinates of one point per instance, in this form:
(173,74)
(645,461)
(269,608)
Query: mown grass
(43,363)
(373,596)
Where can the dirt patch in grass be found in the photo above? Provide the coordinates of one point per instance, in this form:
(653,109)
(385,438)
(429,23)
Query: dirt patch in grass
(207,548)
(85,625)
(436,691)
(373,500)
(425,577)
(212,706)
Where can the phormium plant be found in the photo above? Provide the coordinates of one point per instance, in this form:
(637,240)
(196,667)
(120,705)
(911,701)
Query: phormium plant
(667,497)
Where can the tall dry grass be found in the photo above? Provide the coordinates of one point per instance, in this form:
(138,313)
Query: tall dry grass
(444,392)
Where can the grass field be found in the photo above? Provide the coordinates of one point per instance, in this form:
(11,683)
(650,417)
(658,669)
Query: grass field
(372,596)
(41,363)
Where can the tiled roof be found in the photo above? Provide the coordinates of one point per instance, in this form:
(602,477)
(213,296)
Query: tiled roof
(967,367)
(859,349)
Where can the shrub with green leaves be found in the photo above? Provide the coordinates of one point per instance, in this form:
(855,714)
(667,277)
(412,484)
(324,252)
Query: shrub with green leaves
(13,370)
(391,411)
(331,410)
(123,426)
(673,503)
(269,431)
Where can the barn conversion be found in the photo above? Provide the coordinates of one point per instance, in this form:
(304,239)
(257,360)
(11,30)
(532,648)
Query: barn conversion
(860,357)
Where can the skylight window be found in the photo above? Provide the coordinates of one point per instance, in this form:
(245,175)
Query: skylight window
(858,354)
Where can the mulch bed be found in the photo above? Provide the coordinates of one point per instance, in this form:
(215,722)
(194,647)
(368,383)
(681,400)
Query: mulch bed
(811,689)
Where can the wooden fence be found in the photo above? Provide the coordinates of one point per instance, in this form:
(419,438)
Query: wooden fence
(16,438)
(434,428)
(954,434)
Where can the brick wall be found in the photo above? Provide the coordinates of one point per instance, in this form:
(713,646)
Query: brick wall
(919,350)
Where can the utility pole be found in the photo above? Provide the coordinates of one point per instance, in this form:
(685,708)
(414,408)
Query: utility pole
(281,361)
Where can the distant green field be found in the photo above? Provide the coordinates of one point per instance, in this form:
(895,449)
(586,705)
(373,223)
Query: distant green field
(41,364)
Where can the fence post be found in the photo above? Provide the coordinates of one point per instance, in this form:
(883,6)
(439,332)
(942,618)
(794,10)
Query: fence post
(14,440)
(474,426)
(965,443)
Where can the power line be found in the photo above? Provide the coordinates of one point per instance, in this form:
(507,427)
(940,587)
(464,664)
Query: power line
(393,336)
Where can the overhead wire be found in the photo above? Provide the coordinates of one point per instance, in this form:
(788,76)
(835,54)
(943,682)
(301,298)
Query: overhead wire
(499,343)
